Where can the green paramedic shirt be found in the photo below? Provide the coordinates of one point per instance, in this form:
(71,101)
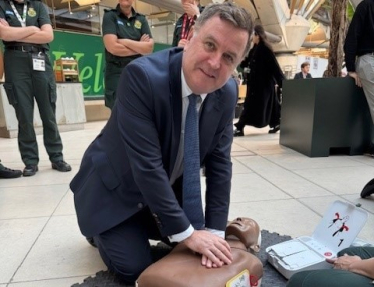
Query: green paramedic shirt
(36,15)
(115,22)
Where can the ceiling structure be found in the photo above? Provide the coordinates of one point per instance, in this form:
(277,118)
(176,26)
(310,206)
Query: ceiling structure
(289,23)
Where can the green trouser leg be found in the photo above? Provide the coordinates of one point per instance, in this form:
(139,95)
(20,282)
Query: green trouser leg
(334,277)
(112,74)
(22,85)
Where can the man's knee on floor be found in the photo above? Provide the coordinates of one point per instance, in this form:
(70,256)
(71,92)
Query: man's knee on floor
(129,271)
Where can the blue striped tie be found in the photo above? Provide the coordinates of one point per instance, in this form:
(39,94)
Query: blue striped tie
(192,204)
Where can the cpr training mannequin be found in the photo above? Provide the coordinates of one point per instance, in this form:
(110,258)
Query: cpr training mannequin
(182,267)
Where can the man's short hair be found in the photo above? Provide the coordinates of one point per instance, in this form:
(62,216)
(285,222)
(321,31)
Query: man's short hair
(305,64)
(231,13)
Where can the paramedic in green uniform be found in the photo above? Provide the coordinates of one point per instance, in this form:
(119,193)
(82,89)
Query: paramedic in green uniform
(26,30)
(126,37)
(353,267)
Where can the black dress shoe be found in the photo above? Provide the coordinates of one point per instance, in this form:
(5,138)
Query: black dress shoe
(9,173)
(61,166)
(91,241)
(274,129)
(238,133)
(30,170)
(368,189)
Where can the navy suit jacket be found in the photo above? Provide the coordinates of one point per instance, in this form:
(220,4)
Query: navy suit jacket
(128,166)
(300,76)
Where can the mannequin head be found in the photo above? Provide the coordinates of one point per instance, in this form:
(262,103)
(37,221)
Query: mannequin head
(247,231)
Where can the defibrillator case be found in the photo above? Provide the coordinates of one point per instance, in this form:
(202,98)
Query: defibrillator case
(337,230)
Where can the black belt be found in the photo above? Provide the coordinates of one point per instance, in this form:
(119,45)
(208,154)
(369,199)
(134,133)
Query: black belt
(26,48)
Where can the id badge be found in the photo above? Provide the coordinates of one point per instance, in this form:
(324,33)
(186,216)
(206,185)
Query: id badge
(38,62)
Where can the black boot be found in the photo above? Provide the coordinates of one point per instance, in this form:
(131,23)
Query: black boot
(238,133)
(273,130)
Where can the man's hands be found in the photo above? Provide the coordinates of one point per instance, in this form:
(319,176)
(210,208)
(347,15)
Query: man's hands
(343,262)
(182,42)
(191,9)
(356,78)
(20,34)
(3,22)
(214,249)
(145,38)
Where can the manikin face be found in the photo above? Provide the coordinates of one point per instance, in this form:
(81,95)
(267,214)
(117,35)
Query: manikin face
(212,54)
(306,69)
(247,231)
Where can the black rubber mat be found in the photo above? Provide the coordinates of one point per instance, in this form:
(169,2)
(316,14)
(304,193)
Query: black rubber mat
(271,276)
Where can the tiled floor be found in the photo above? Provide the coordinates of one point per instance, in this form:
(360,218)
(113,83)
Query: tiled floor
(284,191)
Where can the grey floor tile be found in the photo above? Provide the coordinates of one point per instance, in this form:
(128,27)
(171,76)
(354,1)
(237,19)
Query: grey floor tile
(286,217)
(61,251)
(339,180)
(365,159)
(66,206)
(63,282)
(30,201)
(241,153)
(286,180)
(297,161)
(320,204)
(366,203)
(236,148)
(45,176)
(284,191)
(251,187)
(17,236)
(258,146)
(238,167)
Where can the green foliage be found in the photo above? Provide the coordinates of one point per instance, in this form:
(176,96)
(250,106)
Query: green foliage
(350,11)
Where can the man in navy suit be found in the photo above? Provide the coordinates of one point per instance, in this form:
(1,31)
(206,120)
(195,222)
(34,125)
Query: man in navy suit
(304,74)
(129,186)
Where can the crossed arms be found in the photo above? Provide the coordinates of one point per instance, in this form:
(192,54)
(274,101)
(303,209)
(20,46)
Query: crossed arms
(29,34)
(127,47)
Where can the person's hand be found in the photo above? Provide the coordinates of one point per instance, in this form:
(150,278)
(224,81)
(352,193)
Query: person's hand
(190,33)
(145,38)
(191,9)
(343,262)
(3,22)
(182,42)
(214,249)
(356,78)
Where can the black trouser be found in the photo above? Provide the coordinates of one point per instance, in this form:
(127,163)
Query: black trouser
(125,249)
(22,85)
(335,277)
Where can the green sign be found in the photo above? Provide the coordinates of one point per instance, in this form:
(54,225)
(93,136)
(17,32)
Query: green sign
(88,51)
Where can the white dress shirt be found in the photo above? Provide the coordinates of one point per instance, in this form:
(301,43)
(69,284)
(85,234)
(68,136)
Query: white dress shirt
(178,167)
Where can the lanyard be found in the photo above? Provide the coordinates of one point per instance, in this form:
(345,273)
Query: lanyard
(186,26)
(22,19)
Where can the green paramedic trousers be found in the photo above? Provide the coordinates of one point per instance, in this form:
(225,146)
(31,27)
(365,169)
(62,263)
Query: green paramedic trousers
(22,85)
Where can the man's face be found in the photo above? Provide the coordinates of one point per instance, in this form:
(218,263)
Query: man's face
(212,54)
(125,3)
(306,69)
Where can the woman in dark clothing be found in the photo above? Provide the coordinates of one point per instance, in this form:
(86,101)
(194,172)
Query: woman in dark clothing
(261,105)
